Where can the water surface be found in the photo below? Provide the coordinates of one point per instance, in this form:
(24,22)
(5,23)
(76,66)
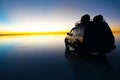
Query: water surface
(43,57)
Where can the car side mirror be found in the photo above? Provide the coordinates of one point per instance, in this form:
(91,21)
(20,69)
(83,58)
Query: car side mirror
(70,34)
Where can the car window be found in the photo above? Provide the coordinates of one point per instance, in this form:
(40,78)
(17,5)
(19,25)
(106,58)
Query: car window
(80,31)
(75,32)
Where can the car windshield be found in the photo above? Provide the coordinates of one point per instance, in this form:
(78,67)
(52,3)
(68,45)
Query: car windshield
(79,31)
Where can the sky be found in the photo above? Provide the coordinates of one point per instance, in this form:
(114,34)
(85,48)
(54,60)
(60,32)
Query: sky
(54,15)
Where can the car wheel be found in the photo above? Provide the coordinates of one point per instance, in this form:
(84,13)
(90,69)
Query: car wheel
(77,45)
(66,43)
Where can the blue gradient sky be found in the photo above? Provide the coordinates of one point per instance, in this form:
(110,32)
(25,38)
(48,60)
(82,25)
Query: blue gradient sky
(54,15)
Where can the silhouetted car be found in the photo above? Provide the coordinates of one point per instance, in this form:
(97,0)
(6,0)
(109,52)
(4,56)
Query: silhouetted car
(74,39)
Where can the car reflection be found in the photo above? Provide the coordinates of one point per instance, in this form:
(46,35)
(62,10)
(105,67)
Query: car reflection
(86,67)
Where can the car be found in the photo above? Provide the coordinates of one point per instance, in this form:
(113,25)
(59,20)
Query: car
(74,40)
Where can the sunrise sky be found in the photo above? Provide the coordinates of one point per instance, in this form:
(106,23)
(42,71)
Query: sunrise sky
(54,15)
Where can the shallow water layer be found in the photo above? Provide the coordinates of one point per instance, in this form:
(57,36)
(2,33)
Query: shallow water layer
(43,57)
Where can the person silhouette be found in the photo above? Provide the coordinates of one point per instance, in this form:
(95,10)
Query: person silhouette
(81,27)
(102,39)
(82,23)
(86,24)
(98,36)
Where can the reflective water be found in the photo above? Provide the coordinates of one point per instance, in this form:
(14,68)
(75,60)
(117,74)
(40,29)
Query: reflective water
(43,57)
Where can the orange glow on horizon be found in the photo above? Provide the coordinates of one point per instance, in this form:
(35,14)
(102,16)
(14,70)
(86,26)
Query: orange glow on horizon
(6,32)
(32,33)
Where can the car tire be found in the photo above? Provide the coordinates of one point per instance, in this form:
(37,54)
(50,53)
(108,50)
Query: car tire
(66,43)
(77,45)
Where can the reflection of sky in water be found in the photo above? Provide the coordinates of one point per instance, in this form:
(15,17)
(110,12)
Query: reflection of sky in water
(31,43)
(43,57)
(39,57)
(6,48)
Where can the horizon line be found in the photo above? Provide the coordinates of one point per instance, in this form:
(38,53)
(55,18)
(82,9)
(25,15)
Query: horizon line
(39,33)
(31,33)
